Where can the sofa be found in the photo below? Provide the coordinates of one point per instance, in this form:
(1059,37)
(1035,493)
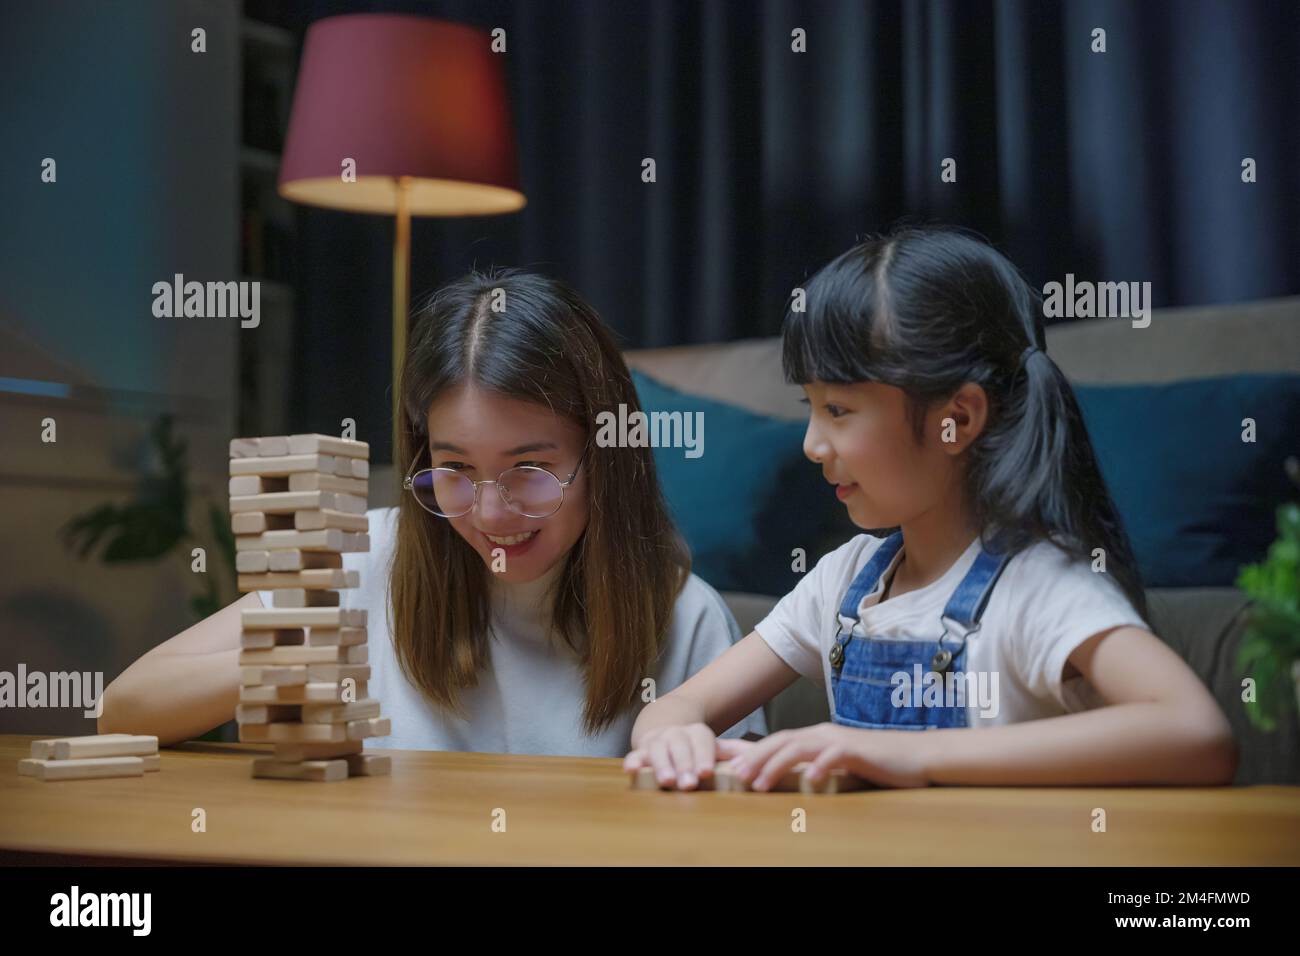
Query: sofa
(1203,624)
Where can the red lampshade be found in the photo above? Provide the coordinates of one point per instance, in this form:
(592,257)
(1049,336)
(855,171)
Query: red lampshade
(403,96)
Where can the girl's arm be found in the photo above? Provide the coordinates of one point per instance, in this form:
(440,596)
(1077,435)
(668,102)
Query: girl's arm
(677,733)
(1161,726)
(183,687)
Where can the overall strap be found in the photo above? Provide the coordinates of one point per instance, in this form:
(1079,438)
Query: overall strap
(966,606)
(866,579)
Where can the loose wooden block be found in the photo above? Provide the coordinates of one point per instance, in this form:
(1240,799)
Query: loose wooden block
(295,560)
(724,780)
(44,749)
(253,619)
(328,539)
(314,481)
(82,769)
(323,578)
(336,673)
(329,518)
(283,637)
(275,676)
(324,771)
(295,753)
(369,765)
(244,485)
(269,713)
(261,657)
(85,748)
(251,562)
(285,465)
(302,597)
(336,713)
(332,636)
(327,445)
(282,502)
(323,692)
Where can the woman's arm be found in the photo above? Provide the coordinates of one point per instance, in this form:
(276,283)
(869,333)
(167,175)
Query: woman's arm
(1161,726)
(183,687)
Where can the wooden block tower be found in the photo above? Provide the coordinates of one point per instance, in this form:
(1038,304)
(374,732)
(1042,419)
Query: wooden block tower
(297,503)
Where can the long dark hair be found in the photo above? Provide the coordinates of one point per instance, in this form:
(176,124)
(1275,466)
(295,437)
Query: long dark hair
(615,596)
(927,309)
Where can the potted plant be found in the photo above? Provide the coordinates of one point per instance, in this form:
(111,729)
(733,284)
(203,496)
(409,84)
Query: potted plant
(1270,648)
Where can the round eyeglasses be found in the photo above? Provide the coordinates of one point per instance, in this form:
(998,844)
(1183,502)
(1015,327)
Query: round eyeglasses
(526,490)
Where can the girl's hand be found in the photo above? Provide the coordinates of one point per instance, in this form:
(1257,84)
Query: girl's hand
(888,758)
(681,755)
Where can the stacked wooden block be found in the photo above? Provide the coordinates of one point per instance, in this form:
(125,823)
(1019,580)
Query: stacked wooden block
(98,755)
(297,503)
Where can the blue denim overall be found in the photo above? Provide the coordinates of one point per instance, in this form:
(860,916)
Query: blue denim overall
(862,667)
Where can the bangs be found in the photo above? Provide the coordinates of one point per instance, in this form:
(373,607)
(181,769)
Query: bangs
(839,337)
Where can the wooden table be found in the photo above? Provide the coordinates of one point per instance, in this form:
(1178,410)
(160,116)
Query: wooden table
(438,808)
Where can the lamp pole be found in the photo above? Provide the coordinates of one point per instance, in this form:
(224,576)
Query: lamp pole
(401,300)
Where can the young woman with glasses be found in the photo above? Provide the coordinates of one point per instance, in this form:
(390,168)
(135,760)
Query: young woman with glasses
(530,593)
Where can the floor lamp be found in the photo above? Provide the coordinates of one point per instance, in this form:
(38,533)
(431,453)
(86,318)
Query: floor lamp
(403,116)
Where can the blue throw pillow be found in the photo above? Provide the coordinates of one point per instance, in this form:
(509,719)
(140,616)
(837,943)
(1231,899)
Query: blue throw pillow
(1197,501)
(750,499)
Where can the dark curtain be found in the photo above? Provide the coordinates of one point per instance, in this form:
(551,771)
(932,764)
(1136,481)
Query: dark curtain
(1123,165)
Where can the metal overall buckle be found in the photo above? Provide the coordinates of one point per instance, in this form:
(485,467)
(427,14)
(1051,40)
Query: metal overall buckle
(943,657)
(837,649)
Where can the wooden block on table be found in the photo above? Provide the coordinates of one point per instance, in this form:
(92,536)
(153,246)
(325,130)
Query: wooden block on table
(335,673)
(369,765)
(82,769)
(44,749)
(333,636)
(252,619)
(271,656)
(296,560)
(294,753)
(328,539)
(723,780)
(327,445)
(323,692)
(322,771)
(282,676)
(303,597)
(314,481)
(152,763)
(282,466)
(282,637)
(85,748)
(329,518)
(322,578)
(244,485)
(340,712)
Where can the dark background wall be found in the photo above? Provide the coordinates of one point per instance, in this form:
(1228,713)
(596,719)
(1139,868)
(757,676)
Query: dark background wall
(1123,165)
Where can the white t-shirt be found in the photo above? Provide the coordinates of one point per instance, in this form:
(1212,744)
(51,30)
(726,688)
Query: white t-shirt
(530,697)
(1042,607)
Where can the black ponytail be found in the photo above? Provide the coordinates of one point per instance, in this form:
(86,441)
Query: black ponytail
(928,309)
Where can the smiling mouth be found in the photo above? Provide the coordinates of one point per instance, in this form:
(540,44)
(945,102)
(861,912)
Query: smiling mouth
(507,541)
